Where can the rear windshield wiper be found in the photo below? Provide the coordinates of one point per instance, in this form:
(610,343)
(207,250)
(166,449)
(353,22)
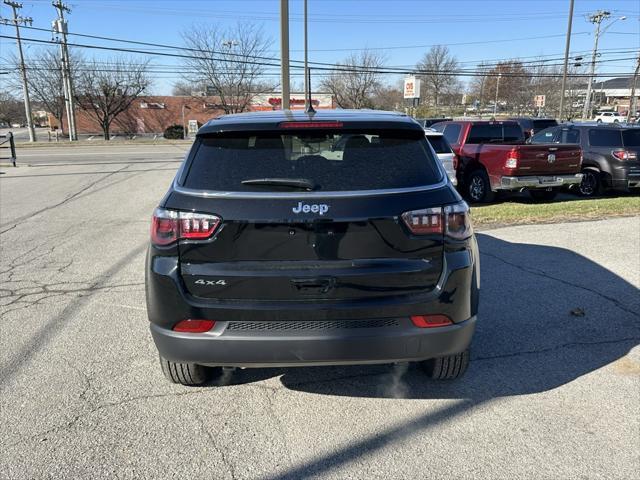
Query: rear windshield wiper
(297,183)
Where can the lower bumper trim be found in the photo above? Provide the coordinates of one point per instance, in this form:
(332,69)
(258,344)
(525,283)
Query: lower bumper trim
(285,349)
(542,181)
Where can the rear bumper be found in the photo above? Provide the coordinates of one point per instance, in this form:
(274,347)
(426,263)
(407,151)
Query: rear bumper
(398,341)
(372,330)
(540,181)
(624,177)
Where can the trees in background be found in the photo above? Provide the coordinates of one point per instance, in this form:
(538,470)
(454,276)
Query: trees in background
(227,63)
(11,109)
(106,92)
(356,81)
(437,69)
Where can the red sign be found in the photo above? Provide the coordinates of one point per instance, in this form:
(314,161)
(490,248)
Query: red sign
(277,101)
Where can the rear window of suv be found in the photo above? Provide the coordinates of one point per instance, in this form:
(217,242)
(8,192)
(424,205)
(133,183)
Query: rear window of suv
(331,160)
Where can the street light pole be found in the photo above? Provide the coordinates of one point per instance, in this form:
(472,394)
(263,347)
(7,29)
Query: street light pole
(307,79)
(284,52)
(566,60)
(495,105)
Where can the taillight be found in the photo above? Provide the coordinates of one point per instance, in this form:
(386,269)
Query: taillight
(191,325)
(622,154)
(512,159)
(453,220)
(169,226)
(430,321)
(458,221)
(425,221)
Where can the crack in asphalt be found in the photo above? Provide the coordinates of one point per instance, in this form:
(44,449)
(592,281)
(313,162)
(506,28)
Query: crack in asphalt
(221,451)
(48,331)
(80,416)
(542,273)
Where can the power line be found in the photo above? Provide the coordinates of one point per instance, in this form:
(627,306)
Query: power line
(341,68)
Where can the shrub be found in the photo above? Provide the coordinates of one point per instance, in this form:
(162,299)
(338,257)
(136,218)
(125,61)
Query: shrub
(174,132)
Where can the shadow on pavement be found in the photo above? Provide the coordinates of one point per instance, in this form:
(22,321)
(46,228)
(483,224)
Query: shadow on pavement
(527,339)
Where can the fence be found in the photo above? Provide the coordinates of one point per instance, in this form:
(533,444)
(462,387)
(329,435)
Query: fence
(6,141)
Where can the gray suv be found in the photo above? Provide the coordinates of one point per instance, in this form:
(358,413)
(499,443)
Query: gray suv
(610,154)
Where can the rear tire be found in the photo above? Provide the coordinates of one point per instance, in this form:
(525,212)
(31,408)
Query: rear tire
(450,367)
(184,373)
(591,184)
(478,187)
(543,195)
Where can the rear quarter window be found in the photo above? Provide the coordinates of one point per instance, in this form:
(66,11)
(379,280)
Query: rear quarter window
(631,138)
(439,143)
(331,160)
(452,132)
(605,137)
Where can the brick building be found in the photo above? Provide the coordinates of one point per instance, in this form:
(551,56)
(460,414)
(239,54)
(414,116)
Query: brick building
(153,114)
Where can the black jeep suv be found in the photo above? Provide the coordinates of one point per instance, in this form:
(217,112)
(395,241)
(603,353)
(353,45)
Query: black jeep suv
(275,248)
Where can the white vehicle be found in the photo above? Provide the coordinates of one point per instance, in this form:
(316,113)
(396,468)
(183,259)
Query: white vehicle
(609,117)
(444,152)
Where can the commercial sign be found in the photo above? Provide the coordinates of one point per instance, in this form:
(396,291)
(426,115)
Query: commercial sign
(273,101)
(412,87)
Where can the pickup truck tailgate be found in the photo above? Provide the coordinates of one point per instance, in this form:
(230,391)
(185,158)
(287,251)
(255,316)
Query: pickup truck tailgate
(547,159)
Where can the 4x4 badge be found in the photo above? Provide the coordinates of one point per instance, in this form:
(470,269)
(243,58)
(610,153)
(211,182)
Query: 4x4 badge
(210,282)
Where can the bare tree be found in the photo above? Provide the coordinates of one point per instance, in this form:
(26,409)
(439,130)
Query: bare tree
(356,80)
(105,92)
(514,87)
(45,81)
(11,109)
(388,97)
(439,77)
(226,62)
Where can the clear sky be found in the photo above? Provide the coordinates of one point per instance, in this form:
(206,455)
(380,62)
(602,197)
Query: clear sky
(403,30)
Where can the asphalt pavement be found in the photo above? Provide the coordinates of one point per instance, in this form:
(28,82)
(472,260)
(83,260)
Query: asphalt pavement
(553,390)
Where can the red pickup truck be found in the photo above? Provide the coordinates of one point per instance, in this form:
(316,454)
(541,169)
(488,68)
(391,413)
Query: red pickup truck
(493,157)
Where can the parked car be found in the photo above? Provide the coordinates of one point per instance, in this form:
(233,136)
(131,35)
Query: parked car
(532,125)
(265,253)
(610,154)
(609,117)
(444,152)
(493,158)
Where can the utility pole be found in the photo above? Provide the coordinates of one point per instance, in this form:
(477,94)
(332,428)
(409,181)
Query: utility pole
(60,27)
(597,19)
(633,105)
(566,60)
(284,52)
(15,6)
